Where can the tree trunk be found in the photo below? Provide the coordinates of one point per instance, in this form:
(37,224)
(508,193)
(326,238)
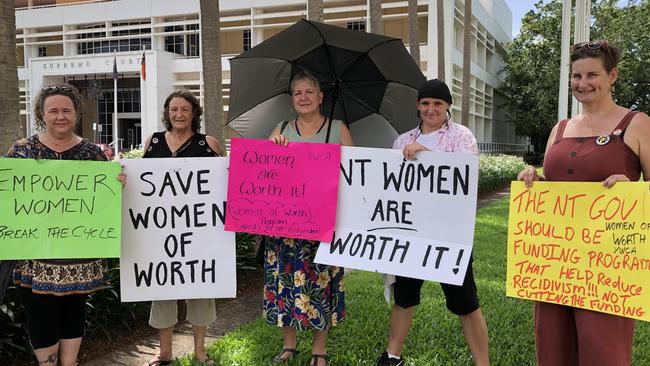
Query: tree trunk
(467,37)
(440,23)
(414,34)
(9,104)
(315,10)
(211,60)
(375,17)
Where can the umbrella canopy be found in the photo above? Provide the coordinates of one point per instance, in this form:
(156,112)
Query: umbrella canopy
(369,81)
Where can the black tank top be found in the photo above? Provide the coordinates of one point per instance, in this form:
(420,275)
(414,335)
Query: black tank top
(195,147)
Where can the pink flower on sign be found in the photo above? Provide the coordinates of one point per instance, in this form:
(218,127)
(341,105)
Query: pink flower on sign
(287,191)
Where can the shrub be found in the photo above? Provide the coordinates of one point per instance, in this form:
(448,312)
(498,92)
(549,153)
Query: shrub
(495,171)
(13,337)
(133,154)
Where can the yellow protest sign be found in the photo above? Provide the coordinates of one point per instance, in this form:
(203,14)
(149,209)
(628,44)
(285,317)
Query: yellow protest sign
(581,245)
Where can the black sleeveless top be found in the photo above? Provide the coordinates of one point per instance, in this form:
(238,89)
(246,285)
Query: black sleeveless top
(195,147)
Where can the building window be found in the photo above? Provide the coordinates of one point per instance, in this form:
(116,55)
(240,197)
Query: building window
(42,51)
(359,26)
(193,40)
(129,42)
(128,100)
(247,39)
(174,43)
(91,47)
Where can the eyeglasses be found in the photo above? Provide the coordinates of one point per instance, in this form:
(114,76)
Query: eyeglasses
(592,45)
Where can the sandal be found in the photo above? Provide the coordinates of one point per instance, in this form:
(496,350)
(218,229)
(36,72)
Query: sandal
(314,359)
(158,362)
(279,359)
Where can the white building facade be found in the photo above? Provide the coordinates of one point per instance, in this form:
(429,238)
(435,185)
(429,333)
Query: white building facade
(77,41)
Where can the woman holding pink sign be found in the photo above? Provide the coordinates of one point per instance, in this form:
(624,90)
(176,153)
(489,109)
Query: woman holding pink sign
(605,143)
(298,293)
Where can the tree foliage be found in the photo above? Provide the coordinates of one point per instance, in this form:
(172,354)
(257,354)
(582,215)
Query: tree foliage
(629,29)
(532,73)
(533,63)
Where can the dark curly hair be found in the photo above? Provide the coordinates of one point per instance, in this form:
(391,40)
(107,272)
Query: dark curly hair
(66,90)
(606,51)
(197,110)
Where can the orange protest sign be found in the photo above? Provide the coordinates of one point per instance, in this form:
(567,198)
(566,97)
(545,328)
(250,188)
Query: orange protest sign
(581,245)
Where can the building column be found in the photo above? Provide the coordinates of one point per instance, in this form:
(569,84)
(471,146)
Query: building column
(432,40)
(433,50)
(448,6)
(257,34)
(581,34)
(563,101)
(158,41)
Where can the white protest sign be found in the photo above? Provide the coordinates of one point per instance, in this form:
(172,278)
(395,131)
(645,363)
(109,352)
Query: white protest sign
(408,218)
(173,241)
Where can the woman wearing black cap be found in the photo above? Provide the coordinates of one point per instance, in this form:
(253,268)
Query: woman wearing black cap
(436,133)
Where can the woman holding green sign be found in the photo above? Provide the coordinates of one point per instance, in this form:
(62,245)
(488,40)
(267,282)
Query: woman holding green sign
(605,143)
(54,291)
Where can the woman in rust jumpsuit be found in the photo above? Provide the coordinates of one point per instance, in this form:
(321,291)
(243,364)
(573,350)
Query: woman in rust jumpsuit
(605,143)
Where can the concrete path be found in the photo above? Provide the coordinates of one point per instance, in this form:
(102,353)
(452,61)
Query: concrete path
(229,316)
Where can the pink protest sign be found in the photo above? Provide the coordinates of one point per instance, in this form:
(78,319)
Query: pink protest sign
(289,191)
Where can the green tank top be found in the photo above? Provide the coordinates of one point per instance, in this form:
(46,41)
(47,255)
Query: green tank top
(292,135)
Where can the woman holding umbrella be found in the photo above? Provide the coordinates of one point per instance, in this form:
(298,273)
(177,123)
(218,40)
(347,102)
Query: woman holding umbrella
(298,293)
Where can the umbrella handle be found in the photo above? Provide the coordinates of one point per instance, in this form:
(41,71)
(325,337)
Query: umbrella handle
(329,125)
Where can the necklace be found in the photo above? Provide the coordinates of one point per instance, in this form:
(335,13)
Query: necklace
(321,126)
(57,145)
(177,143)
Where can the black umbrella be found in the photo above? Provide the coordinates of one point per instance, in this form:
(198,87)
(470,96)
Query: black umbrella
(370,81)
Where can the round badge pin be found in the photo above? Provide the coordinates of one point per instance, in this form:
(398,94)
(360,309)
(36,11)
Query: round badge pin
(617,132)
(602,140)
(154,140)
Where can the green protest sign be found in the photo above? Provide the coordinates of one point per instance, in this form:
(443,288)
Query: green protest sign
(59,209)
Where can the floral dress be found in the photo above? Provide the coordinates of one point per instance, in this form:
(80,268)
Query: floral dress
(298,292)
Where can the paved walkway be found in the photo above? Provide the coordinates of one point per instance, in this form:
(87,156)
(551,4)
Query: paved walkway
(229,316)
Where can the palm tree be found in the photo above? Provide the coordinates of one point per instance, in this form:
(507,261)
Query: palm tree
(315,10)
(440,20)
(9,105)
(414,34)
(467,37)
(374,16)
(211,60)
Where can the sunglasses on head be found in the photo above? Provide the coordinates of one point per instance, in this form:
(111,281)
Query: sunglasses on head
(56,88)
(592,45)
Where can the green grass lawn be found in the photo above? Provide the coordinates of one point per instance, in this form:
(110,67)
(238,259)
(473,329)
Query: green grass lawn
(436,337)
